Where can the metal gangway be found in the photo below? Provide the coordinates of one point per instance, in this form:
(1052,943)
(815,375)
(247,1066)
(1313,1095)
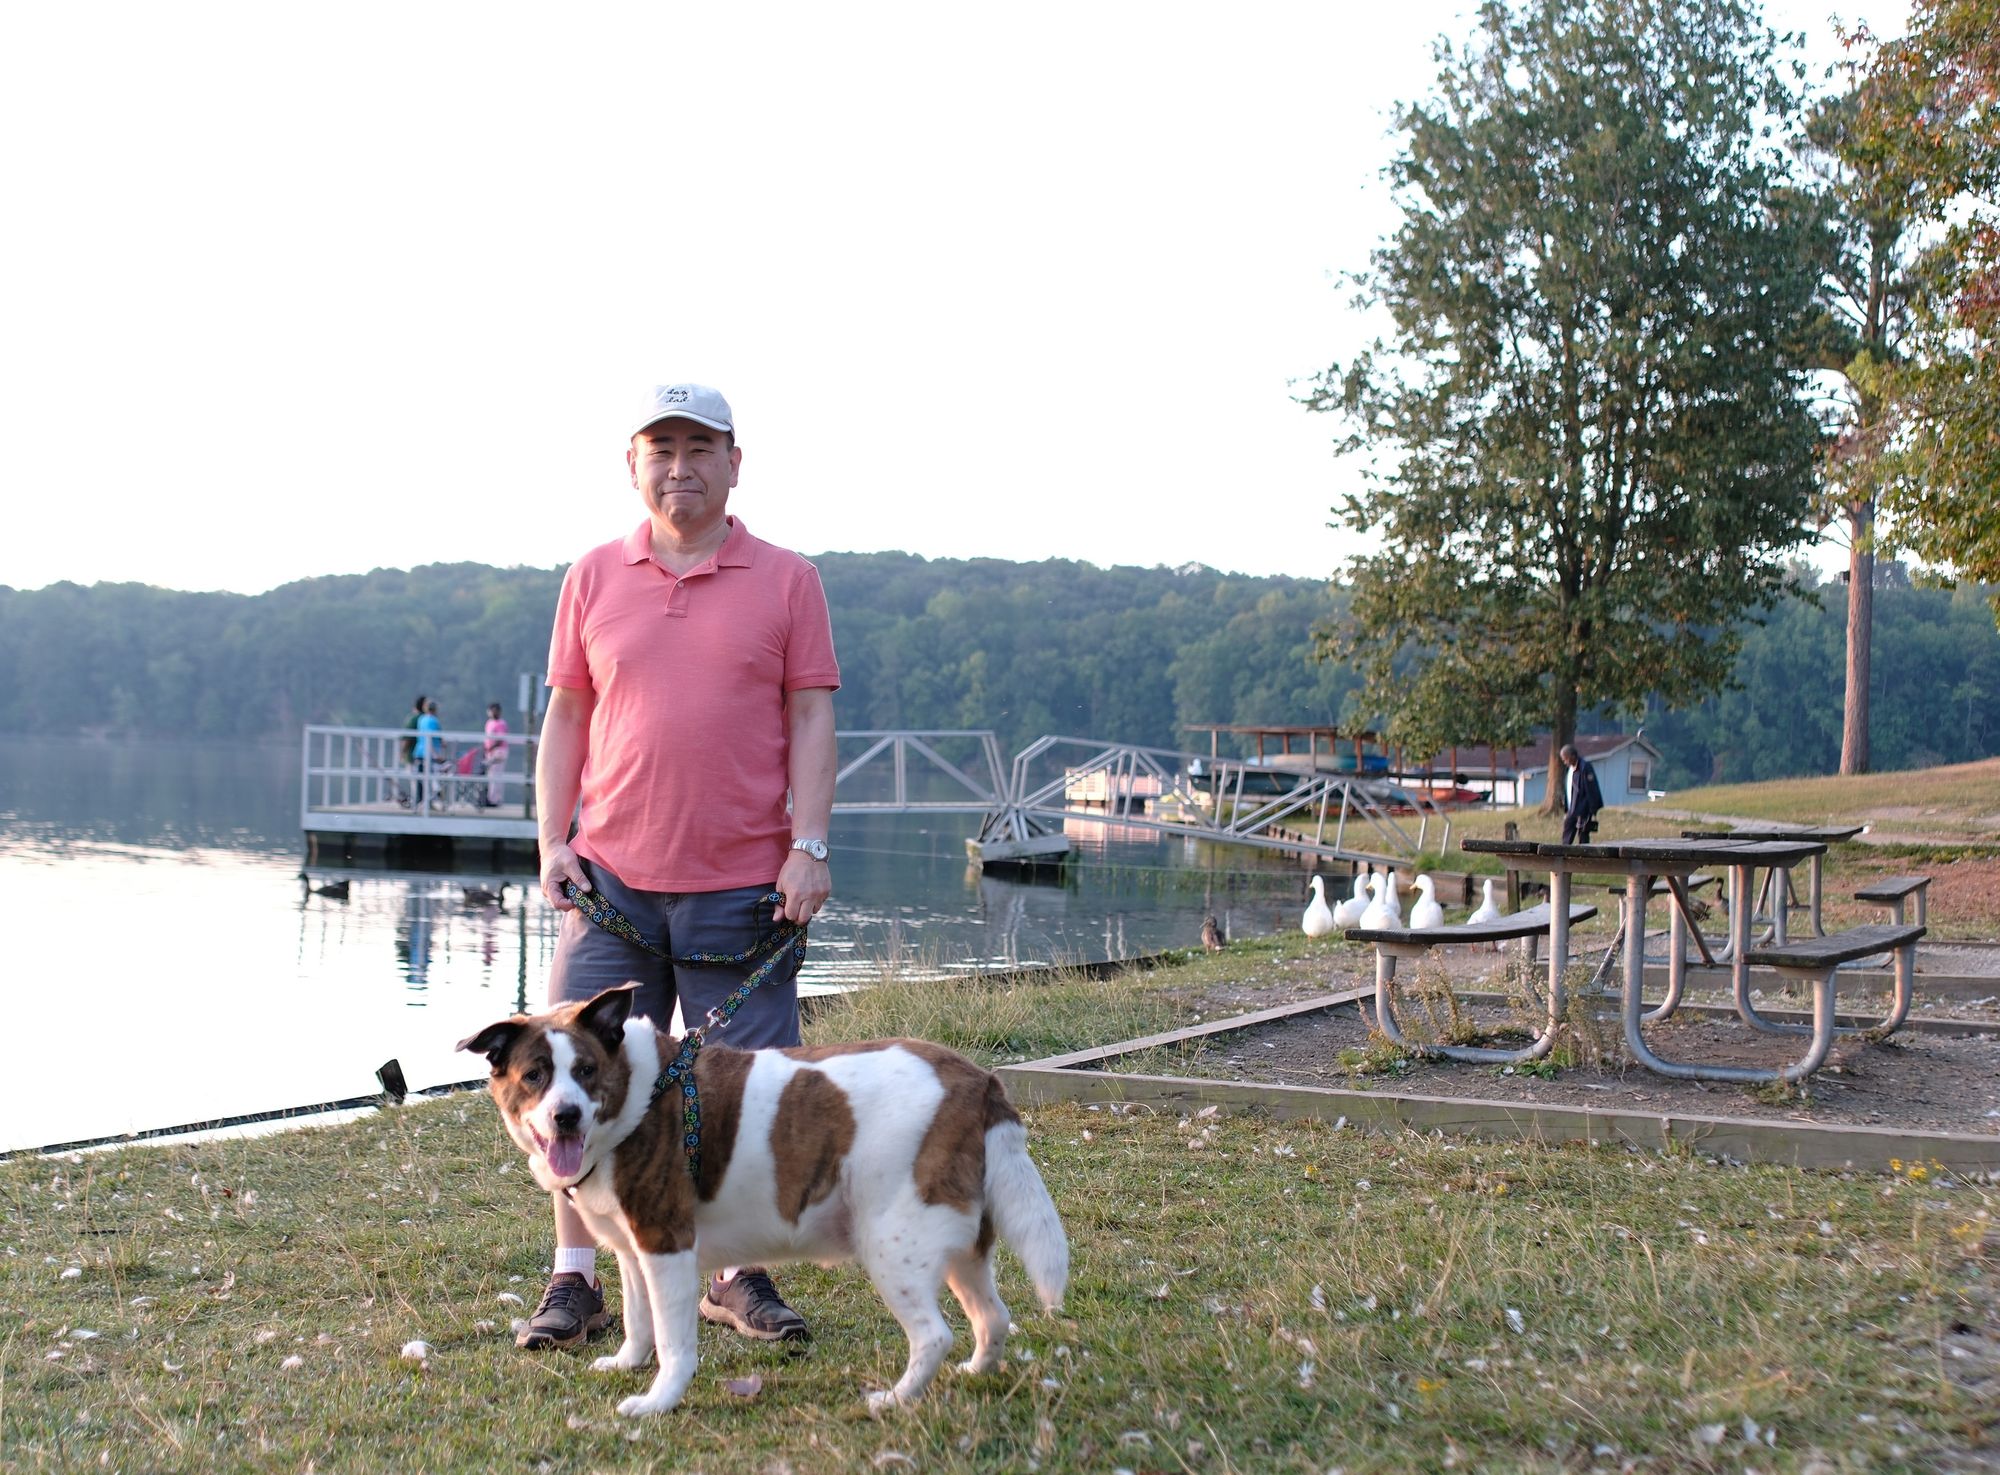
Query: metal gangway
(1330,815)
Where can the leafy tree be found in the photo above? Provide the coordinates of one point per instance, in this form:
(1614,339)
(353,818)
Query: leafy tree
(1590,407)
(1934,113)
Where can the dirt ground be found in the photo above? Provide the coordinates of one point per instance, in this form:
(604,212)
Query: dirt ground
(1919,1080)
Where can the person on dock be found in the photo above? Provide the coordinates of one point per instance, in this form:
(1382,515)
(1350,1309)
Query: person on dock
(692,675)
(406,747)
(430,755)
(1583,796)
(496,755)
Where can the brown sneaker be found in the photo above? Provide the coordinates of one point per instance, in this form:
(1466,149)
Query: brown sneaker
(572,1310)
(749,1302)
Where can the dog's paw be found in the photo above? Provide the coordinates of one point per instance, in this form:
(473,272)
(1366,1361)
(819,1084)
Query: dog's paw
(624,1360)
(972,1367)
(881,1403)
(644,1405)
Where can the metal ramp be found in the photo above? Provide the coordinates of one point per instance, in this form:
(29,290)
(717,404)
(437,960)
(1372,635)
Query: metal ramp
(1225,800)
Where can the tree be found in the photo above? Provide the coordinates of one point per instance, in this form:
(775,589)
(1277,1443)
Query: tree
(1600,445)
(1935,113)
(1865,291)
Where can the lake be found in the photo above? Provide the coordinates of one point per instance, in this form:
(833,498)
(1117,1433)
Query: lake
(172,968)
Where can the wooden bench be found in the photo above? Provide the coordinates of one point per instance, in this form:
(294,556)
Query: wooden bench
(1894,891)
(1391,943)
(1815,960)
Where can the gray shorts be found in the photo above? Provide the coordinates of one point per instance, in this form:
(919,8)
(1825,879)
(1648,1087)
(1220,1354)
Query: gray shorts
(589,960)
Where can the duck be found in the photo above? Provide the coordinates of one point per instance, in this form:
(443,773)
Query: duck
(1425,911)
(1377,914)
(1488,909)
(1391,900)
(1318,920)
(479,896)
(335,889)
(1348,913)
(1211,934)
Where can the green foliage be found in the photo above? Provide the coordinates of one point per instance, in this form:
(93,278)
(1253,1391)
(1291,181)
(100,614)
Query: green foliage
(1597,445)
(1028,649)
(1931,117)
(1935,688)
(1025,649)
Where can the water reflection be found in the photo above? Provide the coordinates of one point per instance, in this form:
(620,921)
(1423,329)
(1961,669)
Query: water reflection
(161,883)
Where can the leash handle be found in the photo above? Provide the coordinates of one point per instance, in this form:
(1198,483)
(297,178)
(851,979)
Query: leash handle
(786,939)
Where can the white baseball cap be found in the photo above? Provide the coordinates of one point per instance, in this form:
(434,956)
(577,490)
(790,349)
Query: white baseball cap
(696,402)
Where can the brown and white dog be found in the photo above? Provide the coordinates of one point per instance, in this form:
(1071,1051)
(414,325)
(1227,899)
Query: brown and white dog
(899,1155)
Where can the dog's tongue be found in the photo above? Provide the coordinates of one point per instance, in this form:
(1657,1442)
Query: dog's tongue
(565,1156)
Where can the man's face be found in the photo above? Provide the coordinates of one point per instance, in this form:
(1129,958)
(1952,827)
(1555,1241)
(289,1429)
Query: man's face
(684,471)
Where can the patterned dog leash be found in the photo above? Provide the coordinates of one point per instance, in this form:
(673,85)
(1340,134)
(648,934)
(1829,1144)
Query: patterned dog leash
(787,940)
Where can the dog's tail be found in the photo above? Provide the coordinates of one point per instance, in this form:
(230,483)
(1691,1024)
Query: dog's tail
(1019,1201)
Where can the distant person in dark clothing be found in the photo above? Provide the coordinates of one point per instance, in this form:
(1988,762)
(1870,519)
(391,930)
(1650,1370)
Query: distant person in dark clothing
(1585,798)
(406,747)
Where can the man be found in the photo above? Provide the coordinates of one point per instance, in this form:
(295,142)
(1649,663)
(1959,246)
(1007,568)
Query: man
(1583,795)
(692,675)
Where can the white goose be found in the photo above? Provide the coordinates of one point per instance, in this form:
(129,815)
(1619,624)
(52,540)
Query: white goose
(1318,920)
(1348,913)
(1378,914)
(1488,911)
(1425,911)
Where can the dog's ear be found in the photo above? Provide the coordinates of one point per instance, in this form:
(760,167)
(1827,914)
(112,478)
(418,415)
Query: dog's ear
(605,1015)
(495,1040)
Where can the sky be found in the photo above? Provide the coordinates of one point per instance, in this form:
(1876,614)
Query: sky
(290,291)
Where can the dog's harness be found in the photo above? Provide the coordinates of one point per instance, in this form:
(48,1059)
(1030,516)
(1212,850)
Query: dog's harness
(787,939)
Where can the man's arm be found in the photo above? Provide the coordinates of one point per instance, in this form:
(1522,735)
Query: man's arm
(806,882)
(558,780)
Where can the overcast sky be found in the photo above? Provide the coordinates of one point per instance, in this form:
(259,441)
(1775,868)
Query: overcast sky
(290,291)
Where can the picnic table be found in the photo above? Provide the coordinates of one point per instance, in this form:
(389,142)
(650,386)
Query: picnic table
(1674,860)
(1778,890)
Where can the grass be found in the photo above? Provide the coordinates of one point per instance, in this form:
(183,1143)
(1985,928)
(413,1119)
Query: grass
(1946,823)
(1960,801)
(1248,1295)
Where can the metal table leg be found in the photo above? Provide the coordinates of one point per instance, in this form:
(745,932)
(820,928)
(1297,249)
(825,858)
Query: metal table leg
(1635,975)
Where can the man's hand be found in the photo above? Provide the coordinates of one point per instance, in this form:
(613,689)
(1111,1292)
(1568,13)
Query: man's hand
(560,864)
(806,883)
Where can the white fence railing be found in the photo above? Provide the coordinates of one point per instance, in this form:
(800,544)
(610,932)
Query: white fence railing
(349,768)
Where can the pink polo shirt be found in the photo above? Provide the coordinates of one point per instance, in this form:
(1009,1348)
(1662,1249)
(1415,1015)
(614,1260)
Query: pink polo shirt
(685,778)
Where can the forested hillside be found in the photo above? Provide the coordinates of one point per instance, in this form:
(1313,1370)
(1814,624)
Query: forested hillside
(1025,649)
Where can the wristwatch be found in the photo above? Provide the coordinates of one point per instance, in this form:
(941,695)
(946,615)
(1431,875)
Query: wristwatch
(815,848)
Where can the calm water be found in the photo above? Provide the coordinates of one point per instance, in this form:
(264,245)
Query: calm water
(171,967)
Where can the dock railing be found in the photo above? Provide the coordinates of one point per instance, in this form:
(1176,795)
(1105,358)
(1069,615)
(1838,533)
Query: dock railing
(360,773)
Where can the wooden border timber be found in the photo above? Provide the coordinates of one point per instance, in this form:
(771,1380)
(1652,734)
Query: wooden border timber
(1793,1144)
(1871,980)
(1915,1024)
(1084,1076)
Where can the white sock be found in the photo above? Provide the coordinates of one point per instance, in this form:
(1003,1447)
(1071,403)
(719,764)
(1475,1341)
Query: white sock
(581,1262)
(723,1277)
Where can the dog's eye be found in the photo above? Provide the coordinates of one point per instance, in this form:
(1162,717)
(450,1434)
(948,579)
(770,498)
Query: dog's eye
(585,1071)
(534,1075)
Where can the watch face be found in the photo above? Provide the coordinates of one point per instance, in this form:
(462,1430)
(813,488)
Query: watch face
(815,848)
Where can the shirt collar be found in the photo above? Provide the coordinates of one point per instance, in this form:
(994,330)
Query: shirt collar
(738,548)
